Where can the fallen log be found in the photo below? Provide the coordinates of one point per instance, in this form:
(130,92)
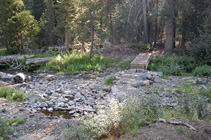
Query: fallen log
(3,84)
(11,58)
(75,108)
(38,61)
(16,86)
(17,78)
(176,123)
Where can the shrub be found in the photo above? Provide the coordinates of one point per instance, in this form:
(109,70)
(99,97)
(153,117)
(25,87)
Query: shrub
(173,65)
(5,130)
(17,121)
(110,80)
(73,63)
(204,70)
(201,48)
(194,102)
(140,46)
(125,65)
(12,94)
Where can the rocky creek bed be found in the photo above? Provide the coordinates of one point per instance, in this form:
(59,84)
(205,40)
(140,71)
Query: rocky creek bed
(53,101)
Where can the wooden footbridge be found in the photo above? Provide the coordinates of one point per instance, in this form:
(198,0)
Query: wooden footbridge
(143,59)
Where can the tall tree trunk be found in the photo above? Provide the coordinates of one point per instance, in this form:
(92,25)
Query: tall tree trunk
(92,41)
(169,24)
(156,25)
(66,39)
(146,29)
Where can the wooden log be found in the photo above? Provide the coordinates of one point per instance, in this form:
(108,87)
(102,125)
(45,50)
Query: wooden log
(176,123)
(75,108)
(3,84)
(10,58)
(5,75)
(17,78)
(38,61)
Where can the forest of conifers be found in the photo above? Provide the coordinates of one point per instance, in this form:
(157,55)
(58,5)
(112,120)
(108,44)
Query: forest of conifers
(40,23)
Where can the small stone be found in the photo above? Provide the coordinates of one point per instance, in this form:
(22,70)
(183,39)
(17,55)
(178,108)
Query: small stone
(107,89)
(26,138)
(76,115)
(160,74)
(204,82)
(50,109)
(49,138)
(71,103)
(148,76)
(61,104)
(72,112)
(146,83)
(208,130)
(136,85)
(143,76)
(31,115)
(15,134)
(21,109)
(169,95)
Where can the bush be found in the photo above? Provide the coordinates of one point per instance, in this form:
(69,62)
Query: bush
(194,102)
(204,70)
(73,63)
(125,65)
(110,80)
(172,65)
(17,121)
(5,130)
(12,94)
(140,46)
(201,48)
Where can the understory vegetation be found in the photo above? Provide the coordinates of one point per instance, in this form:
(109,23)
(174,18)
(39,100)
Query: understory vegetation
(5,130)
(179,65)
(138,111)
(74,63)
(12,94)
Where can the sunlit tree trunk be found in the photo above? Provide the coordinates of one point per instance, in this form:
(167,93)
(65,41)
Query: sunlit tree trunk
(156,25)
(146,29)
(169,24)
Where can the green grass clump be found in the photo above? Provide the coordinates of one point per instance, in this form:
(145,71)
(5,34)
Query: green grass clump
(74,63)
(17,121)
(110,80)
(12,94)
(140,46)
(173,65)
(125,65)
(180,130)
(204,70)
(5,130)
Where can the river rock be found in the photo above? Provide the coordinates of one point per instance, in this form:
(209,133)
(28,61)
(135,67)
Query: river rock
(146,83)
(34,98)
(160,74)
(50,109)
(107,89)
(148,76)
(72,112)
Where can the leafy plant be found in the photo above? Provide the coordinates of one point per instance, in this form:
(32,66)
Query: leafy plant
(180,130)
(140,46)
(73,63)
(110,80)
(5,130)
(12,94)
(125,65)
(17,121)
(172,64)
(204,70)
